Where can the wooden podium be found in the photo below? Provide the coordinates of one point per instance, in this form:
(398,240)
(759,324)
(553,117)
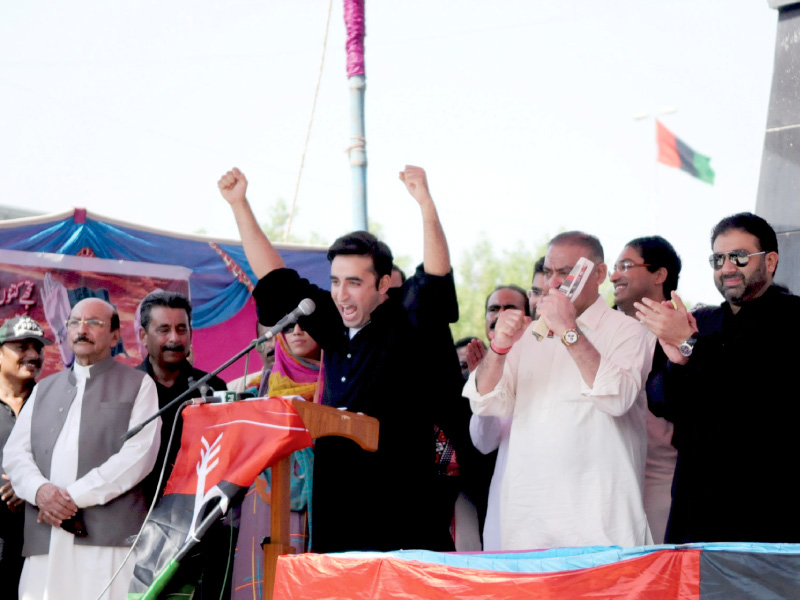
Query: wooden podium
(320,421)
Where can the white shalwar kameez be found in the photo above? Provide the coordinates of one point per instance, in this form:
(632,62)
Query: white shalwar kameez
(489,434)
(72,571)
(576,458)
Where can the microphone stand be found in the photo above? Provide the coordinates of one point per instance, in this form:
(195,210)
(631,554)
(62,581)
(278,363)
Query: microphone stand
(200,382)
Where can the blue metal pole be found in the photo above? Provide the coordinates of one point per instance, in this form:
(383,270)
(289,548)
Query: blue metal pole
(358,151)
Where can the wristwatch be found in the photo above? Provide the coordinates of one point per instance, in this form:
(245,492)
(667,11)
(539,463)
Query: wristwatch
(570,336)
(687,347)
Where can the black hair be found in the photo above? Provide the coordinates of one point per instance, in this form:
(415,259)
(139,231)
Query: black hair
(659,253)
(363,243)
(538,267)
(752,224)
(466,340)
(166,299)
(399,270)
(513,287)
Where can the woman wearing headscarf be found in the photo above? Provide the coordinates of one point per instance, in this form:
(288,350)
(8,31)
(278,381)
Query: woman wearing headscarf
(297,372)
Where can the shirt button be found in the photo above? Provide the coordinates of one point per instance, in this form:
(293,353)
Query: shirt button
(349,356)
(61,409)
(344,379)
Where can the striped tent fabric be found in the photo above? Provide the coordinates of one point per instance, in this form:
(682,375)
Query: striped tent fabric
(223,316)
(688,572)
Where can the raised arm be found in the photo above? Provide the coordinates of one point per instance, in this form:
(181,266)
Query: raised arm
(560,314)
(436,255)
(261,255)
(511,324)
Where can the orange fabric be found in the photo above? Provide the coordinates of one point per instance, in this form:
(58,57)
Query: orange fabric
(662,575)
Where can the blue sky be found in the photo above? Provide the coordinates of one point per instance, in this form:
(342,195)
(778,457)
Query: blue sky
(520,111)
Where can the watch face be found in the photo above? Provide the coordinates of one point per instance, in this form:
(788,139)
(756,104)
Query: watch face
(570,337)
(686,348)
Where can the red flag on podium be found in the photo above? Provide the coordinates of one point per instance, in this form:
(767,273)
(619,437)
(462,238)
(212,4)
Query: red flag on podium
(223,449)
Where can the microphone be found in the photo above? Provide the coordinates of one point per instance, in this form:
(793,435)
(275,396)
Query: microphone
(305,308)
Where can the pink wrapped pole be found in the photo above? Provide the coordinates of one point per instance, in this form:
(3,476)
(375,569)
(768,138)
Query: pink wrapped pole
(354,23)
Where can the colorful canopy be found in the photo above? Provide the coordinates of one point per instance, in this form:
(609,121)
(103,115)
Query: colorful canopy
(223,311)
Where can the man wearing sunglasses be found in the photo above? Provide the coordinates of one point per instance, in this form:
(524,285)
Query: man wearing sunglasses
(729,388)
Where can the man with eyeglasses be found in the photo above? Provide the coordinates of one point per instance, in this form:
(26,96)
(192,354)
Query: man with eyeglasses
(66,458)
(649,267)
(537,287)
(729,388)
(577,442)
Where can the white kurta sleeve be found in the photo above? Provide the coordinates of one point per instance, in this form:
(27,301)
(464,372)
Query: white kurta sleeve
(623,370)
(132,463)
(500,401)
(485,433)
(25,476)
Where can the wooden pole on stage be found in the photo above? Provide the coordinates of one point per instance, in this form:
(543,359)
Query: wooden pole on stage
(320,421)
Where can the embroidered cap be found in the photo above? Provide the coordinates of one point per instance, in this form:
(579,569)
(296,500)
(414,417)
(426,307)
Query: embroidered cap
(22,328)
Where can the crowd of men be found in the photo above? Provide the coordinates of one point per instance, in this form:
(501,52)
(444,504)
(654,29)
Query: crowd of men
(628,425)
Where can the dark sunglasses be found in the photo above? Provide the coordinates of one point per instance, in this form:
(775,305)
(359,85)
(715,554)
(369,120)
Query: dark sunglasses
(740,258)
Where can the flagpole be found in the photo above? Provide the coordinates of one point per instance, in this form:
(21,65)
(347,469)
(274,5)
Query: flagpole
(165,575)
(356,75)
(653,117)
(655,185)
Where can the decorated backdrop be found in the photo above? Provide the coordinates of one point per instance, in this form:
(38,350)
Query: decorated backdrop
(219,278)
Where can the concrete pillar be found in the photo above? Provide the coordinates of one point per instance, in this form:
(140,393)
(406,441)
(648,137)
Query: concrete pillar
(778,198)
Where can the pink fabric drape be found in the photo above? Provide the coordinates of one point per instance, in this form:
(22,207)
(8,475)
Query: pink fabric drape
(354,23)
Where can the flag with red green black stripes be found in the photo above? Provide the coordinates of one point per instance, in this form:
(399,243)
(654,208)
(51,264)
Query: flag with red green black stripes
(674,152)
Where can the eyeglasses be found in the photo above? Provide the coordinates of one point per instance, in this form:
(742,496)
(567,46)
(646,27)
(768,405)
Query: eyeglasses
(739,258)
(624,266)
(90,323)
(535,293)
(564,272)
